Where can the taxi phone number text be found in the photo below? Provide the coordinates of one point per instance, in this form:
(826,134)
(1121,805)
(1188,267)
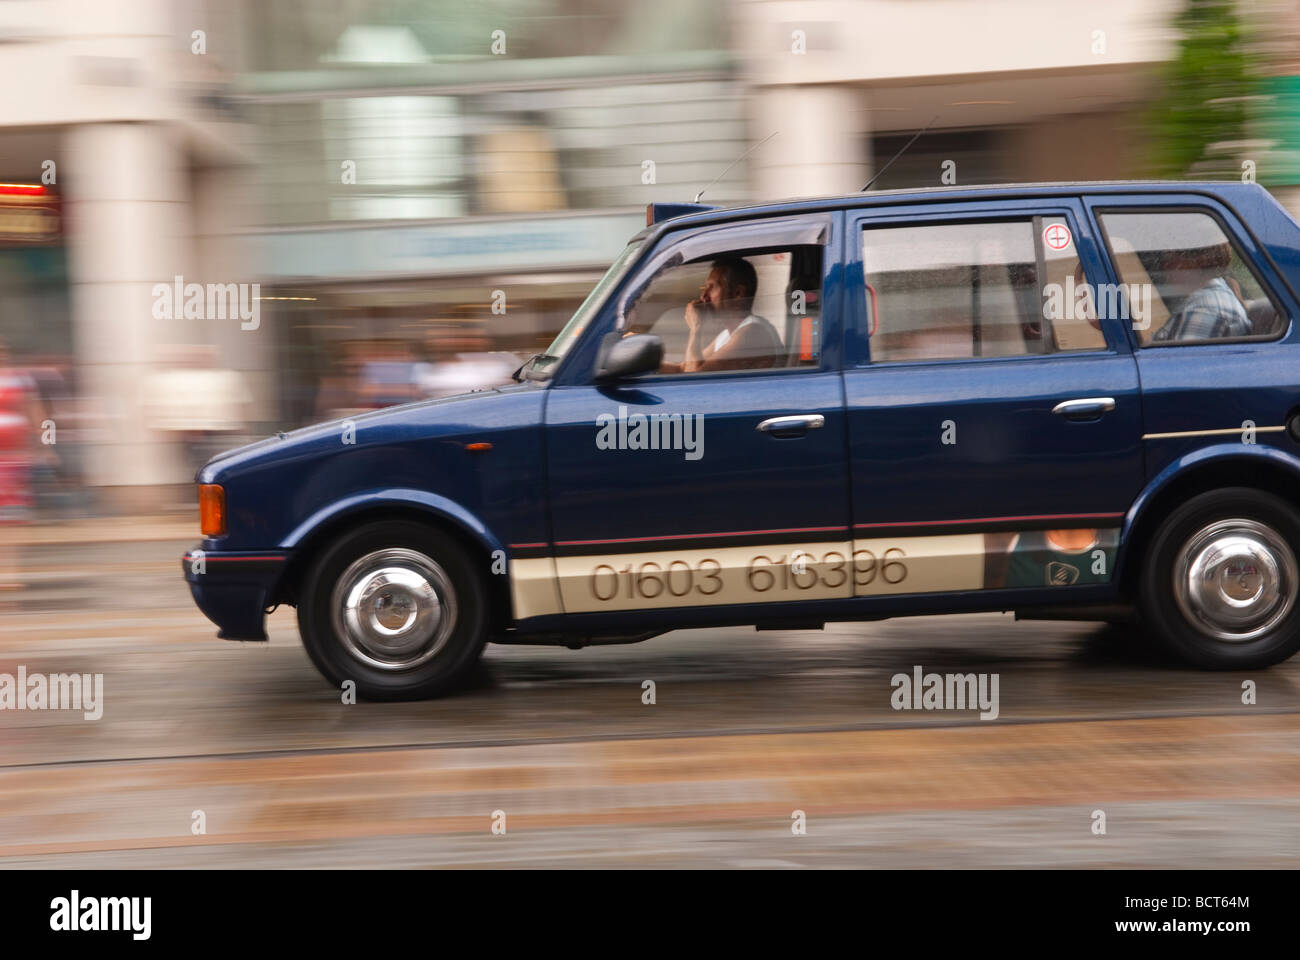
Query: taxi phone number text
(649,580)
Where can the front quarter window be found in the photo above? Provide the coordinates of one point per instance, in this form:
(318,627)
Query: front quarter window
(542,365)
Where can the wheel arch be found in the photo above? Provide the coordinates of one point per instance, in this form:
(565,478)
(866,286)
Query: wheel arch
(416,506)
(1222,465)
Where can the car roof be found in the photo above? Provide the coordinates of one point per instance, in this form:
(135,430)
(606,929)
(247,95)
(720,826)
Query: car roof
(1228,191)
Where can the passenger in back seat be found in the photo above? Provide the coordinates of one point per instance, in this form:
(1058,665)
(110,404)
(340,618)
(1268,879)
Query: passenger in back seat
(1214,310)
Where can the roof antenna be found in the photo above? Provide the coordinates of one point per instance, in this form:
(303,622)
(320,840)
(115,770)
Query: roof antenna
(900,153)
(733,163)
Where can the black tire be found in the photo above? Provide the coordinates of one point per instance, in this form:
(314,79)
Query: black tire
(451,653)
(1172,609)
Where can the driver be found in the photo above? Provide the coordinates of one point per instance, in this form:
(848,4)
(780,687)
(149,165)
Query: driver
(746,341)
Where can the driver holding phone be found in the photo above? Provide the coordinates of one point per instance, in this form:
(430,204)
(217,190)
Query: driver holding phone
(746,340)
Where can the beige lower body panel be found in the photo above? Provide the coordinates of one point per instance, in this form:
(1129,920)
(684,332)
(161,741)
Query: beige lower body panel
(768,573)
(886,566)
(765,573)
(533,591)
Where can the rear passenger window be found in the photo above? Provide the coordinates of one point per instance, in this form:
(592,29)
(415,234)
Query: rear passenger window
(996,289)
(1184,281)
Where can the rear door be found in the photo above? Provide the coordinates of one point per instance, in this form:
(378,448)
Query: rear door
(1229,374)
(994,422)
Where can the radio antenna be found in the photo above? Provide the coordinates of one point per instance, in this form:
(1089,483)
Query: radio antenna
(900,153)
(733,163)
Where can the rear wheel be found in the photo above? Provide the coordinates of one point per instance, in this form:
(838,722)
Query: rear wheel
(397,608)
(1221,580)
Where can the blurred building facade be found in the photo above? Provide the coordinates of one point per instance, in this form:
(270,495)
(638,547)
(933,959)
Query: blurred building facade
(440,180)
(1013,90)
(432,176)
(119,154)
(416,184)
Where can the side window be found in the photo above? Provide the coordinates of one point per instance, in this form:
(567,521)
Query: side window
(748,310)
(1184,281)
(993,289)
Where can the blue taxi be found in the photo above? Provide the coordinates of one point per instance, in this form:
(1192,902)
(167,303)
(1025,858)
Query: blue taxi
(1077,400)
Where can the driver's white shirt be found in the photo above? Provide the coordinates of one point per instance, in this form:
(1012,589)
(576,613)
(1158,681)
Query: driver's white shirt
(724,337)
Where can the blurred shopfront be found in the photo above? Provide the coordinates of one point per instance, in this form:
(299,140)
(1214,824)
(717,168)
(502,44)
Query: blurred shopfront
(433,207)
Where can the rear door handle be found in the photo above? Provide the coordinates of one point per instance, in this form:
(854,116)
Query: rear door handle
(1086,408)
(794,426)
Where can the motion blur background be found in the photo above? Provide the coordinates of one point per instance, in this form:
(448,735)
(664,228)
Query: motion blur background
(390,170)
(424,191)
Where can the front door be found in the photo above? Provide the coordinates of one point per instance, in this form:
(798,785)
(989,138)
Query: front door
(726,485)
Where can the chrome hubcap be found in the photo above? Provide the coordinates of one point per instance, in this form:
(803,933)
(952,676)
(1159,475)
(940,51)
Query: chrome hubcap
(394,609)
(1235,580)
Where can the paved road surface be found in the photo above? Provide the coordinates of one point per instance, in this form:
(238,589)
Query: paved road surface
(747,728)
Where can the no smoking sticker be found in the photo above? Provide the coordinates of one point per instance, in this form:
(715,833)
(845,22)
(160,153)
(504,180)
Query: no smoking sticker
(1057,236)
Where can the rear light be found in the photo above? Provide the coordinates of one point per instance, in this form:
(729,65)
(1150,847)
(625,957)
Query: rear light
(212,509)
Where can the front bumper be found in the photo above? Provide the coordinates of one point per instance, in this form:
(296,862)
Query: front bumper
(232,588)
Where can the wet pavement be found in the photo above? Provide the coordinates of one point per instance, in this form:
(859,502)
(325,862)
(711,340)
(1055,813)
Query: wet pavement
(747,727)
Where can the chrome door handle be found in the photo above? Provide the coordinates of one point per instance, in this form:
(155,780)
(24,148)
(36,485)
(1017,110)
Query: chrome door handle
(1086,408)
(794,426)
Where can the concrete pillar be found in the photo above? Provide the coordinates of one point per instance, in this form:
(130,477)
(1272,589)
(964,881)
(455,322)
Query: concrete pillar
(128,219)
(822,145)
(220,195)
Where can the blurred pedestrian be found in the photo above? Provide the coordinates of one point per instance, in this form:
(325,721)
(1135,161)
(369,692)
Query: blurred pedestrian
(463,363)
(388,375)
(20,421)
(338,394)
(201,405)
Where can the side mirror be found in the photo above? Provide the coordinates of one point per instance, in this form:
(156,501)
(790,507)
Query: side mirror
(624,357)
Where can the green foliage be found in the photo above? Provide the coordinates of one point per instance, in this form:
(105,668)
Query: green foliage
(1207,88)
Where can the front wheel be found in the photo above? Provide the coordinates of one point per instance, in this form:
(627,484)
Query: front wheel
(1220,580)
(398,608)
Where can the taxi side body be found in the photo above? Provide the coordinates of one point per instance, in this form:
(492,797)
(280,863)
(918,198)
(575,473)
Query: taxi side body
(895,469)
